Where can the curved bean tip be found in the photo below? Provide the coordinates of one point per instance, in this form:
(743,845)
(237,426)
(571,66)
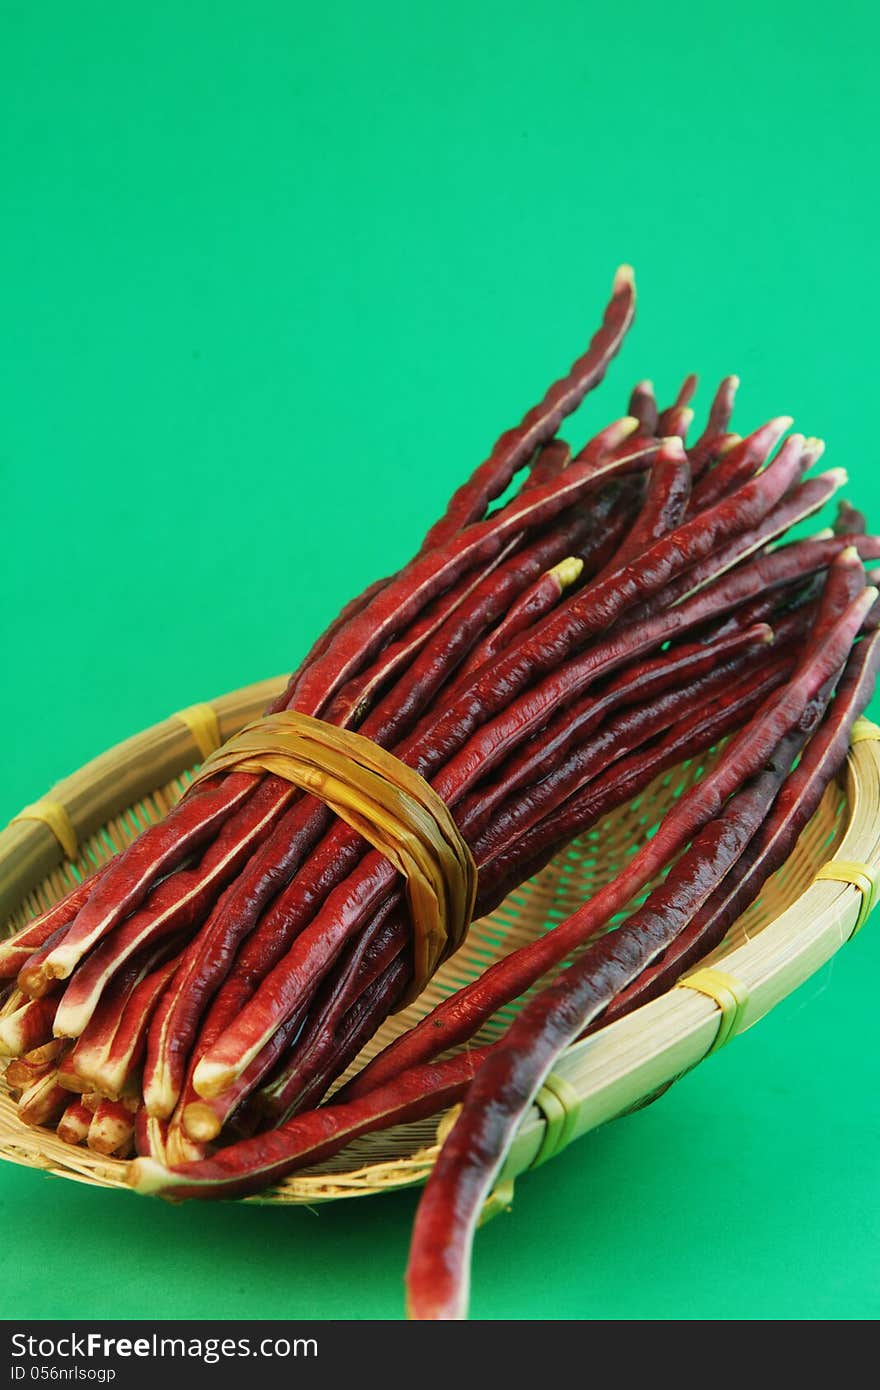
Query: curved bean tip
(624,279)
(687,388)
(568,571)
(620,431)
(672,448)
(729,442)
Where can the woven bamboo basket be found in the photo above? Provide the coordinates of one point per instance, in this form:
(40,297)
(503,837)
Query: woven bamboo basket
(795,926)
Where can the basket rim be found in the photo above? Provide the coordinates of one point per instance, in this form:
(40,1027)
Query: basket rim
(612,1071)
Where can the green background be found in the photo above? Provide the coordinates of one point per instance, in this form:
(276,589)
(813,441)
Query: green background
(274,276)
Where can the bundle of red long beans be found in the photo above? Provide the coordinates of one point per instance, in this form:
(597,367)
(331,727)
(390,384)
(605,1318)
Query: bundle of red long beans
(622,609)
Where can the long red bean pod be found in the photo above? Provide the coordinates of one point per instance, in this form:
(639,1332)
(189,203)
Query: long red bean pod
(739,464)
(705,449)
(150,1136)
(795,562)
(33,979)
(643,407)
(677,422)
(515,447)
(537,600)
(666,500)
(668,418)
(548,463)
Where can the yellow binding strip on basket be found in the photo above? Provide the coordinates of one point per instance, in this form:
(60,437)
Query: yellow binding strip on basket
(861,876)
(560,1105)
(56,817)
(729,994)
(203,724)
(385,801)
